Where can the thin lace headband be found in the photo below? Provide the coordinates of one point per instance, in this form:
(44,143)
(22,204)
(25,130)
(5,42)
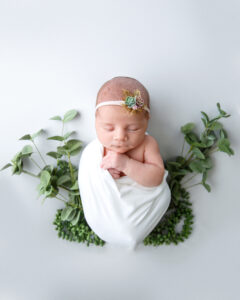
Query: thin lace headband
(122,103)
(131,101)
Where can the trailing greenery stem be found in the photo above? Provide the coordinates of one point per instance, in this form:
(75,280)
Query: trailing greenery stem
(65,188)
(35,163)
(183,147)
(60,199)
(188,187)
(62,196)
(190,178)
(71,168)
(38,152)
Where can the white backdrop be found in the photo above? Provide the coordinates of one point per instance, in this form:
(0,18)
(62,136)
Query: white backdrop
(54,56)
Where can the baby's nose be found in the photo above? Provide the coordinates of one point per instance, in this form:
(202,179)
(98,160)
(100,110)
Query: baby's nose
(120,135)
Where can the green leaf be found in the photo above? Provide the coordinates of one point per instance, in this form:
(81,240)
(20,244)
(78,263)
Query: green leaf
(6,166)
(73,145)
(62,150)
(215,126)
(45,178)
(68,134)
(199,145)
(223,134)
(74,193)
(191,138)
(16,157)
(211,136)
(63,179)
(54,154)
(70,115)
(197,166)
(204,177)
(26,137)
(187,128)
(176,192)
(75,186)
(204,122)
(49,168)
(207,186)
(66,212)
(208,140)
(222,112)
(224,146)
(173,163)
(76,219)
(37,133)
(205,116)
(27,150)
(179,172)
(72,215)
(207,163)
(58,118)
(76,151)
(56,138)
(198,153)
(180,159)
(50,192)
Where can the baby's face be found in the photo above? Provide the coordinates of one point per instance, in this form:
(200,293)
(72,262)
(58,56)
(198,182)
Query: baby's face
(119,131)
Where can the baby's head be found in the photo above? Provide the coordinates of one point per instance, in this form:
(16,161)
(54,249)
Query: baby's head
(120,129)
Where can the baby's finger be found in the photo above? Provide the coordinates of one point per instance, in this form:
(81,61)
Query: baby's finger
(114,170)
(116,176)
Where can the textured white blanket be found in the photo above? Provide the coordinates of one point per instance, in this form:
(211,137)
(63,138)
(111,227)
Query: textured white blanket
(120,211)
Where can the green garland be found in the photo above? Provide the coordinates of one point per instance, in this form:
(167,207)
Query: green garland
(62,176)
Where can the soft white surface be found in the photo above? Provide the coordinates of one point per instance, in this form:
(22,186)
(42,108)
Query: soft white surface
(54,56)
(120,211)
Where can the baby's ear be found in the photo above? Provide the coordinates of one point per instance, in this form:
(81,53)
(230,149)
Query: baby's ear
(147,115)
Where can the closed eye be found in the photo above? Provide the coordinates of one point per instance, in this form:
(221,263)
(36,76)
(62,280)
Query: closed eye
(108,128)
(133,129)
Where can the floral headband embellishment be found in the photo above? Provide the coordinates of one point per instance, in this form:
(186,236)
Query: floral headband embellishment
(133,102)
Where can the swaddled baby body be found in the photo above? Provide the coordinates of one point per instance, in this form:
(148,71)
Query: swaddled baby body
(129,194)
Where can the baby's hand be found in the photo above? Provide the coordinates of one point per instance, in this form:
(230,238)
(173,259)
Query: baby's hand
(114,172)
(114,160)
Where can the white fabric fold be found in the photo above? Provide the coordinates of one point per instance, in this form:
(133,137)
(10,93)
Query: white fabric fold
(120,211)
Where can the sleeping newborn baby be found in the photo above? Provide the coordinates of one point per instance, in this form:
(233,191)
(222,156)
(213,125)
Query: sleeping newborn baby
(122,179)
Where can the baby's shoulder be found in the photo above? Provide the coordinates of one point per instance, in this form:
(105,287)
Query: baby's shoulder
(152,152)
(150,142)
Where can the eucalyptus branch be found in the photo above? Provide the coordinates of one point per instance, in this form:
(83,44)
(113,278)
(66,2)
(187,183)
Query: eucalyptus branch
(70,221)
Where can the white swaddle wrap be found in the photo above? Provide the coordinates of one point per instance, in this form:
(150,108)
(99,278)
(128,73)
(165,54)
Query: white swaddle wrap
(120,211)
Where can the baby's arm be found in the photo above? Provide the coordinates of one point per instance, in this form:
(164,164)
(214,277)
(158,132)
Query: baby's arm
(151,171)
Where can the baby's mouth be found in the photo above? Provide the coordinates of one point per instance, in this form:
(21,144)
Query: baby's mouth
(119,146)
